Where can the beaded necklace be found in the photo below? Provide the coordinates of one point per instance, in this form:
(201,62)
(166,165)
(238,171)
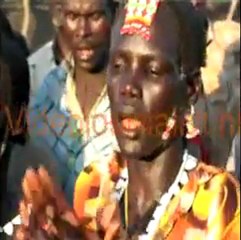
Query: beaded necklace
(188,164)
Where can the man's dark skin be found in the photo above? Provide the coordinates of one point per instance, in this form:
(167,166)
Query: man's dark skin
(143,80)
(87,24)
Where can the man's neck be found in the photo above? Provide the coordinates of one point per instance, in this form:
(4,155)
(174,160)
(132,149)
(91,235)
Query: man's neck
(89,86)
(81,75)
(148,181)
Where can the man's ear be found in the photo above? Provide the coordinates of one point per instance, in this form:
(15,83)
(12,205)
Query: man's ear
(56,10)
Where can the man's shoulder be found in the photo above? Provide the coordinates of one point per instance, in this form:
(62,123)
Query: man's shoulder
(53,85)
(41,54)
(219,190)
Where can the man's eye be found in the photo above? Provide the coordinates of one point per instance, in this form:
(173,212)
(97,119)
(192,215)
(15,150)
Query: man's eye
(153,72)
(118,65)
(236,57)
(152,69)
(96,16)
(157,70)
(72,16)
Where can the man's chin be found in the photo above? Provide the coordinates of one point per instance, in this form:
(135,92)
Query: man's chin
(131,149)
(85,65)
(91,65)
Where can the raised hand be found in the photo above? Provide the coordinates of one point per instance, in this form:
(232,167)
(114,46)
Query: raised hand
(46,215)
(44,211)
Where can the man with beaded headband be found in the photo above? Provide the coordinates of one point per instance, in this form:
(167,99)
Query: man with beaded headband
(158,186)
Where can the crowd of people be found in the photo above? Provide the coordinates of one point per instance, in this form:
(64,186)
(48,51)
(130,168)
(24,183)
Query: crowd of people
(124,126)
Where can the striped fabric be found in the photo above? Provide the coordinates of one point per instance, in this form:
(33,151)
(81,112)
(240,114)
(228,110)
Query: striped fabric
(74,142)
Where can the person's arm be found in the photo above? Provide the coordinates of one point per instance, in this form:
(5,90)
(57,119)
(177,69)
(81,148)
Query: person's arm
(38,102)
(33,155)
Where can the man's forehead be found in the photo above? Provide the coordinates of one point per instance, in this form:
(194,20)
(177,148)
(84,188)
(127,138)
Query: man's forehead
(83,5)
(164,34)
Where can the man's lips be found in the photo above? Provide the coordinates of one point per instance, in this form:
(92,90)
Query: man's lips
(85,53)
(130,124)
(130,127)
(130,121)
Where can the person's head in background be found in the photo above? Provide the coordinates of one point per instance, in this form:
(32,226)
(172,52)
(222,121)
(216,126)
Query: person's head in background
(14,97)
(5,28)
(84,27)
(14,77)
(218,10)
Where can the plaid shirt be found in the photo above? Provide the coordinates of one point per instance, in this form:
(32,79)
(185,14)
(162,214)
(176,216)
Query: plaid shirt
(73,144)
(38,68)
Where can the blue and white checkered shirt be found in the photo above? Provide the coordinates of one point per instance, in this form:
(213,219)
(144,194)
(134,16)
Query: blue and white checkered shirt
(73,144)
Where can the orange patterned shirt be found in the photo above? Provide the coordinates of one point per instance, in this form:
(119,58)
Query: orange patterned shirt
(207,207)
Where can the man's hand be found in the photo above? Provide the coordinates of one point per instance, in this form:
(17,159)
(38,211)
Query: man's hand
(44,211)
(46,214)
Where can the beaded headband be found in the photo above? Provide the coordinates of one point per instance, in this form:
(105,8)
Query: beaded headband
(139,17)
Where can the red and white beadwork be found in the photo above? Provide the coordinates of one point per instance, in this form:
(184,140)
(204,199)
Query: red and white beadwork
(139,17)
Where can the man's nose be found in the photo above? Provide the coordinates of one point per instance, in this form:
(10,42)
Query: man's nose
(84,27)
(131,87)
(130,91)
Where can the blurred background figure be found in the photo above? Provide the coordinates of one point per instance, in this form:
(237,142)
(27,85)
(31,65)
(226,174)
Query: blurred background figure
(15,144)
(14,95)
(14,52)
(217,111)
(217,10)
(31,18)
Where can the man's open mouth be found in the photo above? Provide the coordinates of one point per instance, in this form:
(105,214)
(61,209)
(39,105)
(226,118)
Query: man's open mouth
(130,124)
(85,53)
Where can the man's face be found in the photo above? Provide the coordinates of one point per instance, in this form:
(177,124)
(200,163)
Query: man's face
(87,23)
(143,86)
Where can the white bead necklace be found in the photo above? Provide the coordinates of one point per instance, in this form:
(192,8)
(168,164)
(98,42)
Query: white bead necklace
(188,164)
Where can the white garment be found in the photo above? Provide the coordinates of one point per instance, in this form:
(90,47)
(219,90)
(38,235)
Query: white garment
(40,64)
(236,149)
(233,164)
